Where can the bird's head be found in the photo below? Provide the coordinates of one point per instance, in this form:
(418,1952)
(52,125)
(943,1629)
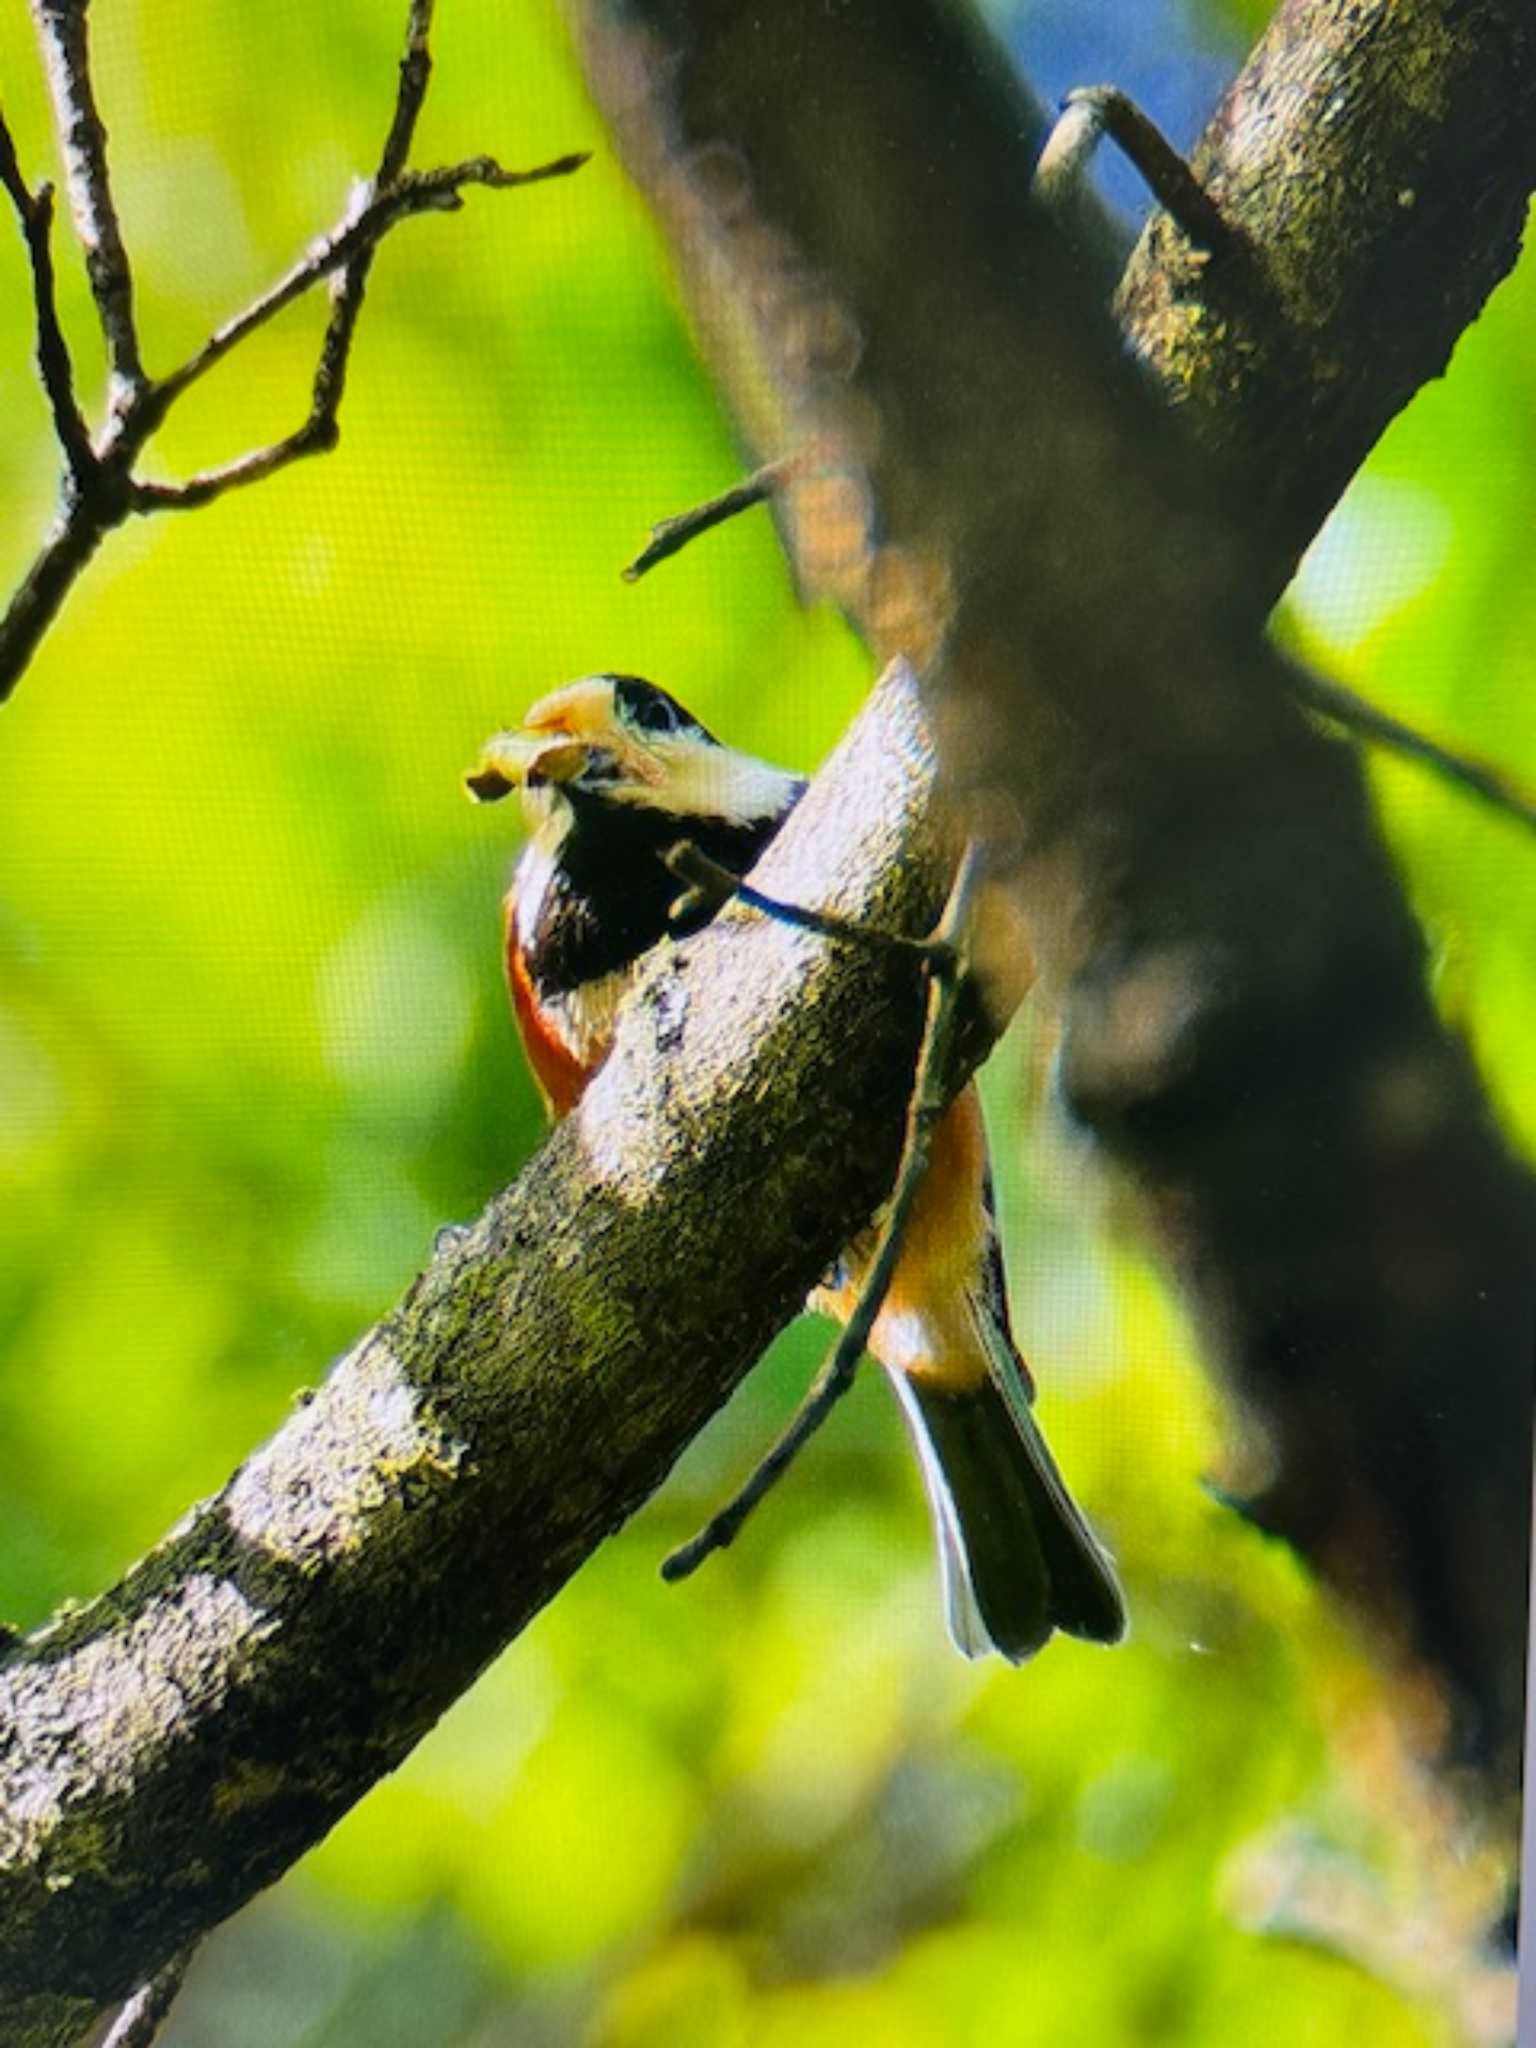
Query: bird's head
(620,741)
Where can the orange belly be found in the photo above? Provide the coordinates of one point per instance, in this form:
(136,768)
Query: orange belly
(928,1323)
(560,1075)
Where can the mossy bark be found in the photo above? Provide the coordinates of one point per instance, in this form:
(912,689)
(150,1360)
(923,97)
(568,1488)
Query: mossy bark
(177,1743)
(1376,158)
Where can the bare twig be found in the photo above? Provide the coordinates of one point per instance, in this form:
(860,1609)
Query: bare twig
(146,2011)
(435,191)
(35,211)
(415,74)
(349,285)
(1368,722)
(349,249)
(1093,111)
(102,487)
(943,958)
(66,48)
(670,536)
(711,886)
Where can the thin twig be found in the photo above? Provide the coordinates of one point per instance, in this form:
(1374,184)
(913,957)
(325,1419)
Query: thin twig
(415,75)
(1365,720)
(318,434)
(435,191)
(349,285)
(83,136)
(1093,111)
(926,1104)
(145,2012)
(35,210)
(711,886)
(670,536)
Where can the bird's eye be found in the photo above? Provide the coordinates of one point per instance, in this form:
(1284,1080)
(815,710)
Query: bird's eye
(646,708)
(656,716)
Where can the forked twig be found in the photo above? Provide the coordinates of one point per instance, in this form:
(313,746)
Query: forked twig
(101,488)
(943,957)
(350,248)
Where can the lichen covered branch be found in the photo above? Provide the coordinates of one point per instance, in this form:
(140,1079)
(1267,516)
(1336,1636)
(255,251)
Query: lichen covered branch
(174,1745)
(1378,158)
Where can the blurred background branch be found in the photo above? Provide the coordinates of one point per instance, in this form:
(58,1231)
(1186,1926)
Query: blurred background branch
(1246,1020)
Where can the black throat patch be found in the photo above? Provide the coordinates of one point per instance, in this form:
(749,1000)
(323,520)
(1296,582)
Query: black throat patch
(608,898)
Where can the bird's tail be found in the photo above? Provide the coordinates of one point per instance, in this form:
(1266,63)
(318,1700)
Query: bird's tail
(1017,1556)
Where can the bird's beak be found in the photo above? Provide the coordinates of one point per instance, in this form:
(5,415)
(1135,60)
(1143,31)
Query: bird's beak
(508,760)
(553,744)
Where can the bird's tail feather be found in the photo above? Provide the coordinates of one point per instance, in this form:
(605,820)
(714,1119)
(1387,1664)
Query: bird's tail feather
(1017,1556)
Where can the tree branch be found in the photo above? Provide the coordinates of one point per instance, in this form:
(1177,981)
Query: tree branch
(1379,160)
(1247,1029)
(1365,721)
(173,1746)
(1246,1023)
(354,238)
(928,1099)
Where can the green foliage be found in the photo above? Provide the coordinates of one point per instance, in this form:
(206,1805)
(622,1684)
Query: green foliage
(254,1051)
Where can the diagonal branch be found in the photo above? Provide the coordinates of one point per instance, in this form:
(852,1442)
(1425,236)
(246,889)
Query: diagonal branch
(1378,157)
(174,1745)
(930,1096)
(291,1639)
(1368,721)
(351,246)
(348,249)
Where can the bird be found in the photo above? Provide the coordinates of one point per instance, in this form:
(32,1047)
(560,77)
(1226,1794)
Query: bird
(613,772)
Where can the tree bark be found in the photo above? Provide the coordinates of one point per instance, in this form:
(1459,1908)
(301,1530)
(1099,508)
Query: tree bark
(177,1743)
(1246,1021)
(1377,160)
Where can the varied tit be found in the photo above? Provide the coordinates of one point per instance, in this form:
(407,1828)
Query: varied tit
(613,772)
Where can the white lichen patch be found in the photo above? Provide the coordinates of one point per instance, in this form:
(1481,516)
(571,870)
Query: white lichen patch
(353,1451)
(97,1714)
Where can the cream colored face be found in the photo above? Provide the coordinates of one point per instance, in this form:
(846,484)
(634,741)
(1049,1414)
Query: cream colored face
(561,736)
(581,731)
